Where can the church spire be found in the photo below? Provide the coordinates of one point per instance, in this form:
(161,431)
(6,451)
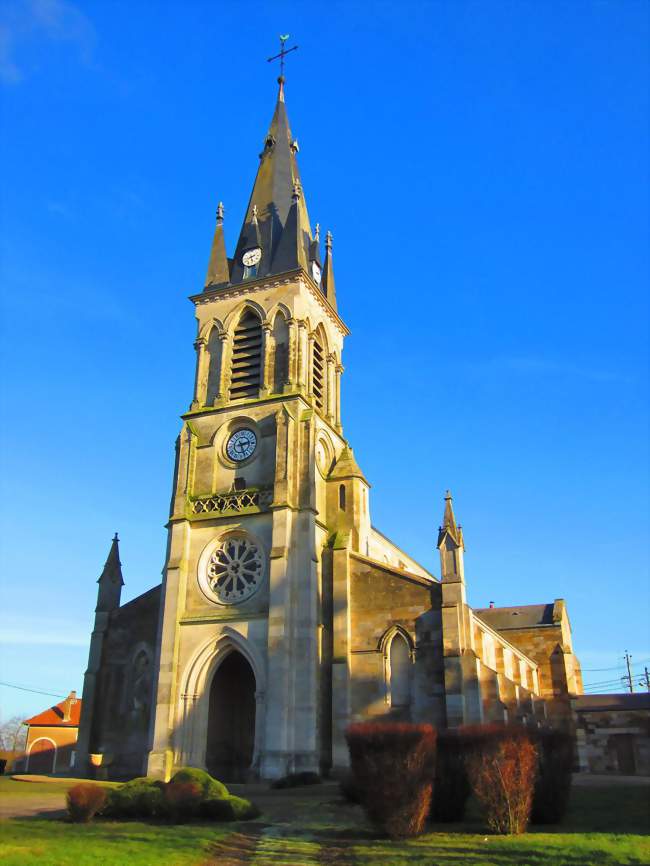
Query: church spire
(449,525)
(111,580)
(329,289)
(274,197)
(218,270)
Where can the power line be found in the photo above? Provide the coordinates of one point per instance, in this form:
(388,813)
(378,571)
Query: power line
(34,691)
(615,668)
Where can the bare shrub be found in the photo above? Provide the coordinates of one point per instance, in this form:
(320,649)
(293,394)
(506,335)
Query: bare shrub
(502,765)
(183,800)
(84,801)
(393,765)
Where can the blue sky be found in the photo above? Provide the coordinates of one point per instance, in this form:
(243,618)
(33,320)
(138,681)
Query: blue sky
(484,169)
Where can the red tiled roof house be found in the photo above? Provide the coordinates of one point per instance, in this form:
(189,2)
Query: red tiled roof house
(52,737)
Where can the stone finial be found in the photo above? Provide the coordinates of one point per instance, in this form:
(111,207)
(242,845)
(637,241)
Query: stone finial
(317,232)
(328,240)
(220,213)
(255,212)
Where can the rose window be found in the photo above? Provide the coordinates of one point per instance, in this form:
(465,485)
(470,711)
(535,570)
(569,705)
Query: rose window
(234,570)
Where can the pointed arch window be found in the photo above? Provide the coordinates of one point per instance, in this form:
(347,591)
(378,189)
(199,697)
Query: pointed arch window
(281,353)
(399,667)
(246,365)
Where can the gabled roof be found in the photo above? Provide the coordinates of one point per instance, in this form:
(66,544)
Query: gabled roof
(524,616)
(56,716)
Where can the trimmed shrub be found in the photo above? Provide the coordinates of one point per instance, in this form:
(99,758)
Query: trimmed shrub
(84,801)
(231,808)
(139,798)
(451,787)
(554,775)
(243,810)
(502,765)
(297,780)
(209,786)
(183,801)
(393,765)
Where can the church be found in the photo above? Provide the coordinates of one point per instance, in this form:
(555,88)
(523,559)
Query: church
(284,615)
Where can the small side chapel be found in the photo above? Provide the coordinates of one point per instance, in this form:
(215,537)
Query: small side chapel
(284,614)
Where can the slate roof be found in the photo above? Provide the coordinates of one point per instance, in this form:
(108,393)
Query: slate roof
(54,716)
(276,218)
(524,616)
(592,703)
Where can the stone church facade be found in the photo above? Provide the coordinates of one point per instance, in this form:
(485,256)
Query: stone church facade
(284,614)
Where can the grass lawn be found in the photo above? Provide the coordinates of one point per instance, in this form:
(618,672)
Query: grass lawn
(313,827)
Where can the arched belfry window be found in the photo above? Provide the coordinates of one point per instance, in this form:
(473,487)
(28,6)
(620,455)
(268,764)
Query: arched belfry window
(318,373)
(246,366)
(281,355)
(214,368)
(398,669)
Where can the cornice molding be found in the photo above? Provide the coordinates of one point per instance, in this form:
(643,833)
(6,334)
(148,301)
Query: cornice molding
(264,284)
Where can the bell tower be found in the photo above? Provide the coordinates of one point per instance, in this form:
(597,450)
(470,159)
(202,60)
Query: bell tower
(255,501)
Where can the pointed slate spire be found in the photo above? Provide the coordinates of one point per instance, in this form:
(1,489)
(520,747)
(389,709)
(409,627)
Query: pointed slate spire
(328,286)
(218,270)
(346,466)
(295,241)
(273,194)
(110,580)
(449,525)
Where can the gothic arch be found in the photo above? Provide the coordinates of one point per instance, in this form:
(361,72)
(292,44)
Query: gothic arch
(319,367)
(247,351)
(194,696)
(398,653)
(279,308)
(233,317)
(207,327)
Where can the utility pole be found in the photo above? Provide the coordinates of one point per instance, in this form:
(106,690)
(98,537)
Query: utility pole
(645,681)
(628,678)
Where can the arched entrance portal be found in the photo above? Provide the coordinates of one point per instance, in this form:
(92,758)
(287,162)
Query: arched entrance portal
(231,720)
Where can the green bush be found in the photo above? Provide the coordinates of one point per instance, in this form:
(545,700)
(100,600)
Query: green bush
(192,793)
(210,787)
(139,798)
(243,810)
(231,808)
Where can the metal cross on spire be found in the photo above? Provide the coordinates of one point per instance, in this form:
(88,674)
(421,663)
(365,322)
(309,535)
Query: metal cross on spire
(283,53)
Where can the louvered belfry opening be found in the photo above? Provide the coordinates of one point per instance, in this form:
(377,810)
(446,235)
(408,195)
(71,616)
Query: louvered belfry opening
(317,382)
(246,358)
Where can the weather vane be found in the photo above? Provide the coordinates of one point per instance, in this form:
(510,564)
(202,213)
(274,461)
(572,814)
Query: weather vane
(283,53)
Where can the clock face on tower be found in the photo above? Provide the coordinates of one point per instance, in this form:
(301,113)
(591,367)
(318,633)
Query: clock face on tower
(251,258)
(241,445)
(315,272)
